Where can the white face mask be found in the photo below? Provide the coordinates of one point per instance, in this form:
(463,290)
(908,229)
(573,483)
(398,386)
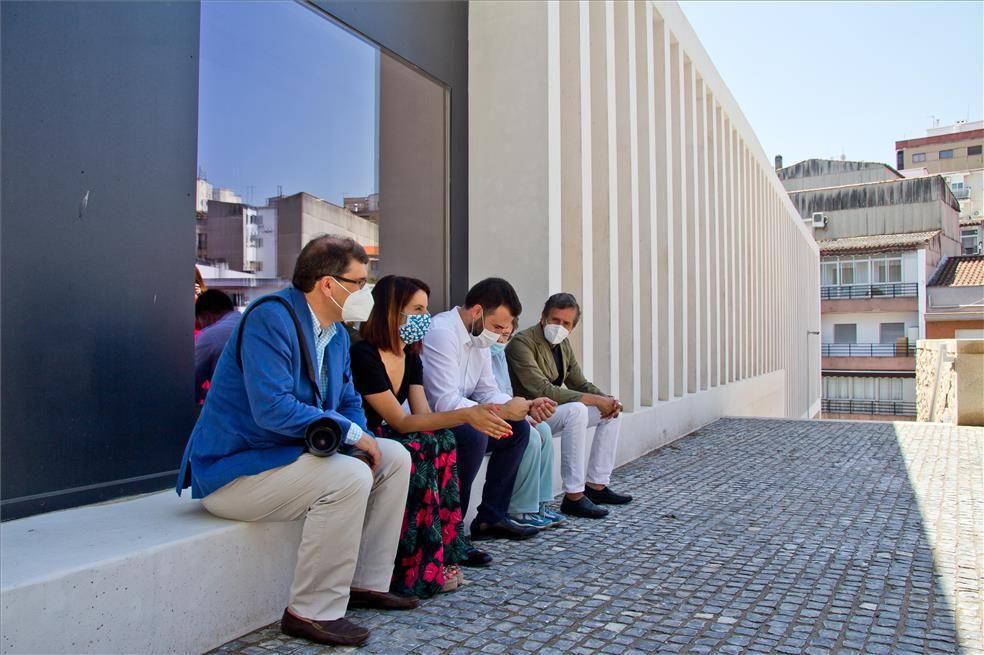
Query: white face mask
(486,338)
(555,334)
(357,306)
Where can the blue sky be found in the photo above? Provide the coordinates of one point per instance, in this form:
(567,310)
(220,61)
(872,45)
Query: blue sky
(287,98)
(817,79)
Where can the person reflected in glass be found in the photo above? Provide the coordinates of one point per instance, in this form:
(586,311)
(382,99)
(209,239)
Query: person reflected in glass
(534,479)
(387,371)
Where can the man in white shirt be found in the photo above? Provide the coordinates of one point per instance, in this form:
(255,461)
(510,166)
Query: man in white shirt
(458,373)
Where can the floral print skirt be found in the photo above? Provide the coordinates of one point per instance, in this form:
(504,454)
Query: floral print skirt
(432,536)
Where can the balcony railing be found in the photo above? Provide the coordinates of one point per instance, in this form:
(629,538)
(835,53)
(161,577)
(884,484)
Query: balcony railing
(889,290)
(872,407)
(867,350)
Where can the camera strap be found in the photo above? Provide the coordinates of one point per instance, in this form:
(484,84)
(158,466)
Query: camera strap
(305,351)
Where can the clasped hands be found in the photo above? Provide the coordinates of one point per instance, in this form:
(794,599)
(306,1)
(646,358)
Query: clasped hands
(494,423)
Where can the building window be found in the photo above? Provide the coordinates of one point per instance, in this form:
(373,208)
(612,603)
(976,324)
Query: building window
(946,154)
(887,270)
(890,332)
(918,157)
(969,245)
(889,389)
(973,150)
(854,270)
(845,333)
(829,273)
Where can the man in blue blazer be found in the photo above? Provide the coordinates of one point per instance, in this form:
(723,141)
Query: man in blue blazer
(246,456)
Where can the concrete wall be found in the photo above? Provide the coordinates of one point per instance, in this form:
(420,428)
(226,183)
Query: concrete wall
(868,324)
(971,298)
(608,159)
(950,329)
(888,219)
(950,381)
(822,173)
(301,217)
(224,230)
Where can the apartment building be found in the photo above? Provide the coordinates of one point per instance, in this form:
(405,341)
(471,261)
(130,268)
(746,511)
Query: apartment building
(953,151)
(944,149)
(881,236)
(955,299)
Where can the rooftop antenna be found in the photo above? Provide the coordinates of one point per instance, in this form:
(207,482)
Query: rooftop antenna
(280,191)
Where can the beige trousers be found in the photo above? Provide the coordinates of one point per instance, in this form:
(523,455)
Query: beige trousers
(352,522)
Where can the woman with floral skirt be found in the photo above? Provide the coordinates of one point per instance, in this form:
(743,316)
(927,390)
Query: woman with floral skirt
(387,371)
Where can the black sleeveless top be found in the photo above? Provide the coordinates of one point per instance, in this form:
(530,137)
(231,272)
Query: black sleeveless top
(369,377)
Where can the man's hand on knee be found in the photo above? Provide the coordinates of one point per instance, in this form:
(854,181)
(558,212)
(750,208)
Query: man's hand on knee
(367,444)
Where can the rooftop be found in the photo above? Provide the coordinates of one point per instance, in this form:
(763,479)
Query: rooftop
(962,271)
(877,243)
(967,133)
(747,536)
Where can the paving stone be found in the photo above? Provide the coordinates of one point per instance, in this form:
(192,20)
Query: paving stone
(747,536)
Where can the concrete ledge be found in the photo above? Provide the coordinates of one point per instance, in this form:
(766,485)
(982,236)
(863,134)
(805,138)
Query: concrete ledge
(155,574)
(158,574)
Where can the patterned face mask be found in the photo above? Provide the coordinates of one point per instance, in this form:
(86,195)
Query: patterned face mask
(415,328)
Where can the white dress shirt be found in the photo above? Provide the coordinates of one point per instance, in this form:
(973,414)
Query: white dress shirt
(456,373)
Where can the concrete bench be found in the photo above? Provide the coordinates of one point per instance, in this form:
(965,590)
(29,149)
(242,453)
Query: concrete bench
(158,574)
(154,574)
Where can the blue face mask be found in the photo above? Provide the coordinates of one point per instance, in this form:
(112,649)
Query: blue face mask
(415,327)
(497,348)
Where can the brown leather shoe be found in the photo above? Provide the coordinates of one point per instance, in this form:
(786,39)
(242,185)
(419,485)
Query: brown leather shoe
(340,632)
(381,600)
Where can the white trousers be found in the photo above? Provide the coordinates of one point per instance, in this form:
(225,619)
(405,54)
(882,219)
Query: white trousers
(571,422)
(352,522)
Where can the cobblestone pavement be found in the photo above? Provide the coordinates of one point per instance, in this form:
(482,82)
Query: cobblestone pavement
(748,536)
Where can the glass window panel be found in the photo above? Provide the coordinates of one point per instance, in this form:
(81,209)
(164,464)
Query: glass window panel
(861,267)
(847,272)
(830,276)
(845,333)
(894,270)
(891,331)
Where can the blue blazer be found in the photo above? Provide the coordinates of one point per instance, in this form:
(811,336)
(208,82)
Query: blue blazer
(254,418)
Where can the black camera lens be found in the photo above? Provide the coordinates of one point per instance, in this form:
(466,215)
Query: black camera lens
(323,437)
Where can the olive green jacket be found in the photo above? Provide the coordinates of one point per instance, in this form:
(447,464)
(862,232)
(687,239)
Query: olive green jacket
(532,368)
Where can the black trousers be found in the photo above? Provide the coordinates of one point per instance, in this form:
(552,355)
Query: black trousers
(500,476)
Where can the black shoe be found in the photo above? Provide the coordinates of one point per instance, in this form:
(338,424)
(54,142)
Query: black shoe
(606,496)
(582,507)
(476,558)
(503,528)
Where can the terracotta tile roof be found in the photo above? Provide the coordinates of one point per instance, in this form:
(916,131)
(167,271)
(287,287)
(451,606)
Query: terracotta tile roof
(876,243)
(962,271)
(968,222)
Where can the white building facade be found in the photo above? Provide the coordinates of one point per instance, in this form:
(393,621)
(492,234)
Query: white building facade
(636,183)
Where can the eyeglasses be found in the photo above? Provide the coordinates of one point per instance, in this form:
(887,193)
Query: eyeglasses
(361,283)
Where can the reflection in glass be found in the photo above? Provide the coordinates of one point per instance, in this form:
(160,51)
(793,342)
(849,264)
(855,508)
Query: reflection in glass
(287,142)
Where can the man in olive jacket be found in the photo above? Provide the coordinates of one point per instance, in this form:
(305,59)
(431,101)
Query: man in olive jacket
(542,364)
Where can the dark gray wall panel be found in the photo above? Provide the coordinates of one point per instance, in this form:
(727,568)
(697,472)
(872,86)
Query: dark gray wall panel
(98,99)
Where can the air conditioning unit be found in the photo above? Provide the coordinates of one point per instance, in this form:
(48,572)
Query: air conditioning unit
(819,220)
